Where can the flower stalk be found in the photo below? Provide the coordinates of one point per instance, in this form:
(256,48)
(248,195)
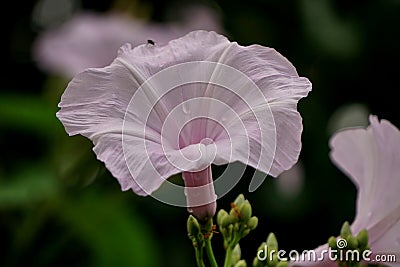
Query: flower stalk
(201,234)
(234,226)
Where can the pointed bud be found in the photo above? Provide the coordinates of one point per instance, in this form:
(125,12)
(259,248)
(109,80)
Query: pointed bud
(236,254)
(193,226)
(240,263)
(332,242)
(233,216)
(239,199)
(223,218)
(352,242)
(272,243)
(245,232)
(220,216)
(230,228)
(262,254)
(345,231)
(262,246)
(362,238)
(245,211)
(252,223)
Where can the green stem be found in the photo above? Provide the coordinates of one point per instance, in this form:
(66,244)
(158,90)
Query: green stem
(231,246)
(199,256)
(228,256)
(210,253)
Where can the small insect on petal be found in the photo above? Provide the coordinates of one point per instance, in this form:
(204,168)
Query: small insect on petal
(150,42)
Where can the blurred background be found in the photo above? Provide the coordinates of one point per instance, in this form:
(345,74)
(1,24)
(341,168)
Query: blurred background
(59,206)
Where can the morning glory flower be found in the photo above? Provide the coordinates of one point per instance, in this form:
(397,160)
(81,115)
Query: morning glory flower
(161,110)
(91,39)
(371,159)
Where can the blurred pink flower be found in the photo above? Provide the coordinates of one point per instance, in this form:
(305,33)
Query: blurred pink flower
(149,120)
(92,39)
(371,159)
(291,182)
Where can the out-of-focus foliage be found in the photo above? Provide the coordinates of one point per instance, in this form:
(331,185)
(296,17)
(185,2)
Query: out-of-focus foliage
(59,206)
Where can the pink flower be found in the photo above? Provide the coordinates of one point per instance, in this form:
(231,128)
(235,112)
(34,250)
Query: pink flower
(371,158)
(91,40)
(200,100)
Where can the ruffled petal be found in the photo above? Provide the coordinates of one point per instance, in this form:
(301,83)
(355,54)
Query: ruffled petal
(241,103)
(282,88)
(94,105)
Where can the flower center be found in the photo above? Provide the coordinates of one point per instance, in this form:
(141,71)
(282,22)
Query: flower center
(201,154)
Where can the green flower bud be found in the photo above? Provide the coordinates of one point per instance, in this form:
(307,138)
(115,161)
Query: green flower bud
(262,254)
(345,231)
(236,227)
(257,263)
(223,218)
(228,232)
(245,232)
(252,223)
(225,233)
(240,263)
(240,199)
(193,226)
(272,243)
(352,242)
(245,211)
(236,254)
(362,238)
(262,246)
(230,228)
(332,242)
(234,215)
